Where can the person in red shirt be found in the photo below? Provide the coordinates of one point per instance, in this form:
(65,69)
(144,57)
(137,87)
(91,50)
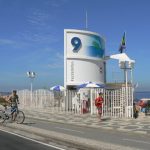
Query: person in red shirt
(98,103)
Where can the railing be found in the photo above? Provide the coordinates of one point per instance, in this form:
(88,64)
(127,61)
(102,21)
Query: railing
(116,102)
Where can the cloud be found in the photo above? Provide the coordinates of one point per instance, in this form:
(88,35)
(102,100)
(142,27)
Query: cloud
(48,49)
(39,19)
(40,27)
(39,37)
(7,42)
(43,17)
(57,61)
(45,74)
(13,43)
(55,65)
(56,3)
(59,55)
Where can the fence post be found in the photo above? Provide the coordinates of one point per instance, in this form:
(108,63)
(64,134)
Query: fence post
(91,97)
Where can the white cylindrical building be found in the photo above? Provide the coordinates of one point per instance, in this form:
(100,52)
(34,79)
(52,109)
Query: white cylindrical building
(84,53)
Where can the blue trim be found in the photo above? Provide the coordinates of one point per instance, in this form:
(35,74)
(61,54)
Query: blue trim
(56,88)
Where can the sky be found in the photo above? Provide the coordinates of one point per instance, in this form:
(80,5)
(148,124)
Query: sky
(32,38)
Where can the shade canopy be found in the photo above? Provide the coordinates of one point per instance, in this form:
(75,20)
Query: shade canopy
(57,88)
(122,57)
(91,85)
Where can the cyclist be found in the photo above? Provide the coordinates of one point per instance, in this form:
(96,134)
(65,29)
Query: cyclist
(14,100)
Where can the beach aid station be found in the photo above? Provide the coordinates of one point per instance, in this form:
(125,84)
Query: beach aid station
(85,65)
(85,61)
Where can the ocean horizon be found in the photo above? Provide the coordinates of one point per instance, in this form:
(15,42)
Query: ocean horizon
(5,93)
(141,94)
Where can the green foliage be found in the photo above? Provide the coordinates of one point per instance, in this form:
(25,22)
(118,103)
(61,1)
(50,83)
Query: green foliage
(96,45)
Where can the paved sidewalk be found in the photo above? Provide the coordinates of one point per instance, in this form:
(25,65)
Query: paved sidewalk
(139,125)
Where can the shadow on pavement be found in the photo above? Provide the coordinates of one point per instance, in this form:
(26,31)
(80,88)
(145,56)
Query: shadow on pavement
(105,119)
(29,123)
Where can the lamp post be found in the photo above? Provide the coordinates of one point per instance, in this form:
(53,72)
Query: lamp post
(127,65)
(31,75)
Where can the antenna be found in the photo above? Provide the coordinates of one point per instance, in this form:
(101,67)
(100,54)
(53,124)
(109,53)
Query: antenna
(86,21)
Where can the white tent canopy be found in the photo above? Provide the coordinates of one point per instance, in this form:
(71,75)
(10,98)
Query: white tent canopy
(122,57)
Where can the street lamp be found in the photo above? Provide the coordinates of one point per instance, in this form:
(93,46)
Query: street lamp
(127,65)
(31,75)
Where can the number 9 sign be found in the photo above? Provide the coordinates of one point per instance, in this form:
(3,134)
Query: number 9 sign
(76,43)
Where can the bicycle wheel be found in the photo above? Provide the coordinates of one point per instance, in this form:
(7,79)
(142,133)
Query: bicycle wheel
(20,117)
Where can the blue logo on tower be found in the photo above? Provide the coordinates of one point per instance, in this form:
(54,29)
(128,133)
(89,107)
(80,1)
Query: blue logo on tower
(76,43)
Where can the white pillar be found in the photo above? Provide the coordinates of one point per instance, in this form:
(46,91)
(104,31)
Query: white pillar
(132,90)
(126,84)
(91,98)
(131,71)
(31,90)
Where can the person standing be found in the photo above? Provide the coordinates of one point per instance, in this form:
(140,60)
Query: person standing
(14,101)
(98,103)
(136,110)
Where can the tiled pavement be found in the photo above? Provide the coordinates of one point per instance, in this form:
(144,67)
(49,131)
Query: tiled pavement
(139,125)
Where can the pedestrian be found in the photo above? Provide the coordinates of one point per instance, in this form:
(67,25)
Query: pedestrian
(98,103)
(14,101)
(135,111)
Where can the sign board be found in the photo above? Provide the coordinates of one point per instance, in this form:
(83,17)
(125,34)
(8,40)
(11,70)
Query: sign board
(83,57)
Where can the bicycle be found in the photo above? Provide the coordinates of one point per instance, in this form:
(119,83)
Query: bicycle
(6,114)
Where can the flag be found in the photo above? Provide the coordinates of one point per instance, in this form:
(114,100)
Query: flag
(123,43)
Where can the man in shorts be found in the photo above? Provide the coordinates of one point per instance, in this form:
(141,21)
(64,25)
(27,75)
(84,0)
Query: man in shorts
(14,100)
(98,103)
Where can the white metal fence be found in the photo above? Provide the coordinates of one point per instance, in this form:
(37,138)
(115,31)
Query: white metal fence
(37,99)
(117,103)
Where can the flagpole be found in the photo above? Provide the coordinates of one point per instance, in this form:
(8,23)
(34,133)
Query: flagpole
(126,87)
(86,21)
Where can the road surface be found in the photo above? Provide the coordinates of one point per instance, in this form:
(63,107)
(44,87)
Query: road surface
(13,142)
(109,136)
